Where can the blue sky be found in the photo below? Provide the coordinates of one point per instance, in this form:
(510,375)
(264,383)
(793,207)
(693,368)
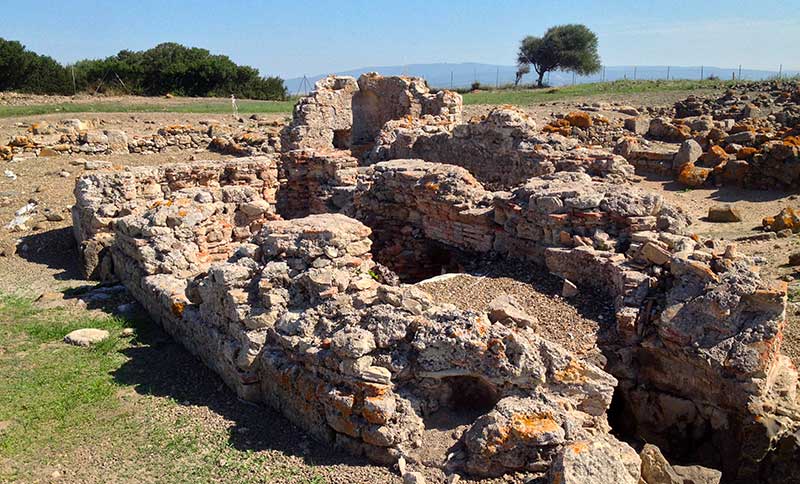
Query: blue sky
(292,38)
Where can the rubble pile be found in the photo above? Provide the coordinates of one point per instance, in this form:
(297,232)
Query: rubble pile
(102,198)
(501,150)
(345,113)
(740,138)
(73,136)
(301,313)
(294,318)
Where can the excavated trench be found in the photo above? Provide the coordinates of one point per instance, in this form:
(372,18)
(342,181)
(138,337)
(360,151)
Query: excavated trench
(582,324)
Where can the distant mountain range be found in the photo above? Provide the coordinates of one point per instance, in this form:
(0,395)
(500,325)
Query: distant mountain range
(446,75)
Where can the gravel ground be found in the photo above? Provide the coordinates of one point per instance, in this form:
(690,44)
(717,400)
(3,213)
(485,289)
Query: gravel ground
(574,324)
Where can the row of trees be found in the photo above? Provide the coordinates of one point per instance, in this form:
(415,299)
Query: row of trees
(166,68)
(571,48)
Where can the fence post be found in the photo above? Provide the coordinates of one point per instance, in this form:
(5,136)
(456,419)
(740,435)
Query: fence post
(497,79)
(451,80)
(668,73)
(740,72)
(634,73)
(604,73)
(573,78)
(701,72)
(780,71)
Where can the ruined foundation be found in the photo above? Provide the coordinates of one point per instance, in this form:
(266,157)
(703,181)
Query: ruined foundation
(273,271)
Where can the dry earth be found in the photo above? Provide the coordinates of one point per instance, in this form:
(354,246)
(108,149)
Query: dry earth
(44,261)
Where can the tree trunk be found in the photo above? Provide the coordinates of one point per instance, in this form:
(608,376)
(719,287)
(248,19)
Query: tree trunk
(539,81)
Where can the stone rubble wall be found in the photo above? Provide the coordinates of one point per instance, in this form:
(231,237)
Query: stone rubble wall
(314,181)
(502,150)
(73,136)
(345,113)
(747,140)
(102,198)
(697,333)
(295,319)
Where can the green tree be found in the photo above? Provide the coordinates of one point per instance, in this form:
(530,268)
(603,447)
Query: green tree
(571,47)
(26,71)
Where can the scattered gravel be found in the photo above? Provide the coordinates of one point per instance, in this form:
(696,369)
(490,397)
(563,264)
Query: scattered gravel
(574,324)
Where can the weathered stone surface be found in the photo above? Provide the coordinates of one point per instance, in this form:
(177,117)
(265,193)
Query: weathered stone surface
(507,310)
(724,213)
(501,150)
(103,198)
(688,154)
(599,461)
(86,336)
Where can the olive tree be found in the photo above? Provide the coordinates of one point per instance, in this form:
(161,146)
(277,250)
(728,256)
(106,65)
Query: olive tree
(571,47)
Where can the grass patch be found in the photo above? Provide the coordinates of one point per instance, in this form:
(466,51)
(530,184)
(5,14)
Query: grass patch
(523,97)
(210,107)
(47,387)
(89,415)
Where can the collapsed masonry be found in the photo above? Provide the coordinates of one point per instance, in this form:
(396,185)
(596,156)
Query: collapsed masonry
(73,136)
(744,138)
(291,311)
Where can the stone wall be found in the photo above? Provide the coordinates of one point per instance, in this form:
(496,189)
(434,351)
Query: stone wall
(295,319)
(316,182)
(501,150)
(342,113)
(697,338)
(102,198)
(72,136)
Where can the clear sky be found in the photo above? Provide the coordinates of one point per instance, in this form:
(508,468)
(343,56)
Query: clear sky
(296,37)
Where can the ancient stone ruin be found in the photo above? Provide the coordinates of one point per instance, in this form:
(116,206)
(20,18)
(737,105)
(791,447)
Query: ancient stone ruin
(281,273)
(749,140)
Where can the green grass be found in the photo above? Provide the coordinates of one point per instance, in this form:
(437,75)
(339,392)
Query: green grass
(47,387)
(523,97)
(210,107)
(519,97)
(62,405)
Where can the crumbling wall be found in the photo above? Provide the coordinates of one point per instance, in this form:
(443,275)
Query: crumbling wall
(294,318)
(342,113)
(323,116)
(740,138)
(101,198)
(697,340)
(316,182)
(72,136)
(501,150)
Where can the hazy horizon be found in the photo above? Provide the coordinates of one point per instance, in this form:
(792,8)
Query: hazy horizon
(292,39)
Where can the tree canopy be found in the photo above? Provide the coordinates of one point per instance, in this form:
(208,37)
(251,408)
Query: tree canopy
(571,47)
(166,68)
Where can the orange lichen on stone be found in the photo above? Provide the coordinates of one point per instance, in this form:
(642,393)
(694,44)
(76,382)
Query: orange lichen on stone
(792,141)
(579,119)
(786,219)
(746,153)
(531,426)
(572,373)
(177,308)
(431,186)
(693,176)
(714,156)
(741,127)
(579,447)
(6,153)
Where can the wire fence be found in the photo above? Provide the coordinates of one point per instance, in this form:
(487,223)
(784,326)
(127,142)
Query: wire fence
(465,77)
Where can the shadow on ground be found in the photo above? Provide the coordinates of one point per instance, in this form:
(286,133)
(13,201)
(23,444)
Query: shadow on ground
(55,249)
(159,366)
